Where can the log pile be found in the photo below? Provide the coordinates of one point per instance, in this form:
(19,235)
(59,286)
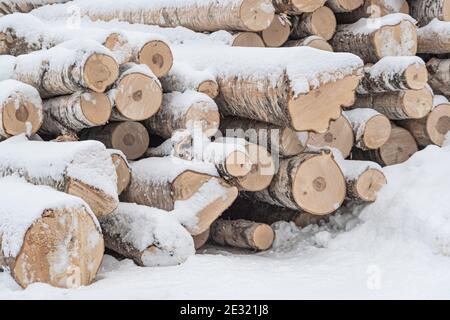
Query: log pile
(157,136)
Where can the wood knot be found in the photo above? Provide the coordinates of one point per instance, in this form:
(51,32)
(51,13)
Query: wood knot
(22,114)
(329,137)
(158,60)
(129,139)
(320,184)
(137,96)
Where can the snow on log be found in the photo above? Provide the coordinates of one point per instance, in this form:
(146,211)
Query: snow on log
(129,137)
(297,7)
(82,169)
(242,234)
(372,129)
(190,110)
(394,74)
(373,39)
(241,15)
(398,149)
(373,9)
(433,128)
(309,182)
(439,75)
(150,237)
(192,191)
(68,115)
(424,11)
(47,236)
(20,109)
(339,136)
(137,94)
(321,22)
(312,42)
(344,5)
(65,69)
(10,6)
(406,104)
(434,38)
(284,86)
(123,169)
(201,239)
(247,39)
(278,32)
(180,145)
(182,78)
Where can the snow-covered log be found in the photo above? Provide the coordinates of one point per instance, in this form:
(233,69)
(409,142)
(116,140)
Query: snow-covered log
(424,11)
(47,236)
(339,6)
(137,94)
(372,129)
(278,32)
(242,234)
(406,104)
(311,41)
(201,239)
(434,38)
(297,7)
(373,9)
(373,39)
(190,110)
(180,145)
(149,236)
(123,169)
(82,169)
(321,22)
(191,190)
(20,109)
(309,182)
(65,69)
(242,15)
(394,74)
(68,115)
(10,6)
(284,86)
(439,75)
(433,128)
(129,137)
(398,149)
(182,78)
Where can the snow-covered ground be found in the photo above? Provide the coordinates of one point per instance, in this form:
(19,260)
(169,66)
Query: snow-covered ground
(398,247)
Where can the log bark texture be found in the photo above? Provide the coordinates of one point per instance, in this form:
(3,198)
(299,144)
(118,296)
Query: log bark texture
(297,7)
(373,9)
(11,6)
(439,75)
(424,11)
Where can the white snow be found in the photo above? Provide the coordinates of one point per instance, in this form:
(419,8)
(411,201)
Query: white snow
(182,77)
(353,169)
(177,103)
(438,100)
(369,25)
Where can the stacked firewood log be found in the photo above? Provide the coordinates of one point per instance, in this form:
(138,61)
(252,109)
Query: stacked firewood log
(146,130)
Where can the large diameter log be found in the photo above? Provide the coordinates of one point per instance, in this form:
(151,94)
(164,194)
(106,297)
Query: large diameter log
(192,191)
(136,95)
(123,169)
(285,93)
(424,11)
(242,234)
(433,128)
(398,149)
(82,169)
(11,6)
(183,77)
(373,39)
(408,104)
(311,41)
(321,22)
(68,115)
(394,74)
(278,32)
(242,15)
(310,182)
(339,136)
(129,137)
(20,109)
(439,74)
(373,9)
(372,129)
(47,236)
(247,39)
(190,110)
(149,236)
(344,5)
(434,38)
(297,7)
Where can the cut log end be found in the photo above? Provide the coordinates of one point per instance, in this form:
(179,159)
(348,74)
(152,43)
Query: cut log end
(416,77)
(131,138)
(323,23)
(238,164)
(306,6)
(158,56)
(100,71)
(399,44)
(320,44)
(369,184)
(263,237)
(201,239)
(202,117)
(256,15)
(248,39)
(377,132)
(277,33)
(399,148)
(64,249)
(210,88)
(114,41)
(96,107)
(417,103)
(21,116)
(123,172)
(438,124)
(262,171)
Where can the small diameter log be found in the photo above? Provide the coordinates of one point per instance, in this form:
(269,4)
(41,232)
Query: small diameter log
(434,38)
(247,39)
(182,78)
(312,42)
(47,236)
(129,137)
(394,74)
(398,149)
(372,129)
(278,32)
(190,110)
(180,145)
(439,74)
(407,104)
(433,128)
(123,169)
(149,236)
(11,6)
(268,91)
(297,7)
(192,191)
(373,9)
(201,239)
(373,39)
(339,6)
(424,11)
(310,182)
(243,234)
(82,169)
(68,115)
(136,95)
(321,22)
(20,109)
(339,136)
